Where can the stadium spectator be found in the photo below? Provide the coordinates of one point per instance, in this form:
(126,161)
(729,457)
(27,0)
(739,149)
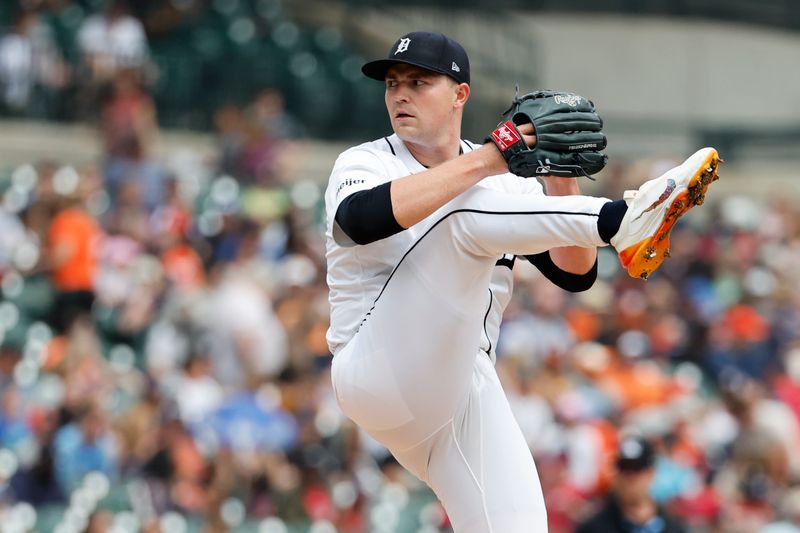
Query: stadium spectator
(83,446)
(269,110)
(14,432)
(129,129)
(72,254)
(111,41)
(32,70)
(37,484)
(107,42)
(229,124)
(629,507)
(247,340)
(258,155)
(196,393)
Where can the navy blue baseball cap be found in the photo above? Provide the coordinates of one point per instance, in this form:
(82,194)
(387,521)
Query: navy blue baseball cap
(635,454)
(431,51)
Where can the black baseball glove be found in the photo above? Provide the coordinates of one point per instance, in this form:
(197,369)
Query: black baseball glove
(568,136)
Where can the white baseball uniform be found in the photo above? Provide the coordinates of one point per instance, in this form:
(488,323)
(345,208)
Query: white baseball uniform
(414,323)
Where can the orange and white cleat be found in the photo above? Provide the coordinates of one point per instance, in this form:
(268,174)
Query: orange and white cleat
(642,240)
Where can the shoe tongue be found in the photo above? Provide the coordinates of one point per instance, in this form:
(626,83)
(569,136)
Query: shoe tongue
(629,196)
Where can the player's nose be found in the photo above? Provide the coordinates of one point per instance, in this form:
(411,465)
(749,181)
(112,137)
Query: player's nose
(401,94)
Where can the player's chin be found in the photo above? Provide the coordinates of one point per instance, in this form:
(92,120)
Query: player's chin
(405,131)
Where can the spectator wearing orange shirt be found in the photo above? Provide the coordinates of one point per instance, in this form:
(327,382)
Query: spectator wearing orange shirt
(71,256)
(183,266)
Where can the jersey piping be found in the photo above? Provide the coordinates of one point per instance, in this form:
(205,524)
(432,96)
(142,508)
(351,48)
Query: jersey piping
(486,316)
(445,217)
(390,146)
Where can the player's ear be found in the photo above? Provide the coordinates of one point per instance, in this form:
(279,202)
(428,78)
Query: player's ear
(461,94)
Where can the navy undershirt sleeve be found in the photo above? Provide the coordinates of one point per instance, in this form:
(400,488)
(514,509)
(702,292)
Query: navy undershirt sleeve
(367,216)
(566,280)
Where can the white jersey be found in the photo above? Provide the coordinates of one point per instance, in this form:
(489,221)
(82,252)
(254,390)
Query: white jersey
(356,274)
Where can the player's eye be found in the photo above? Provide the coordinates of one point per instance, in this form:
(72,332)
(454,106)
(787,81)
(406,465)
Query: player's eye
(419,82)
(391,83)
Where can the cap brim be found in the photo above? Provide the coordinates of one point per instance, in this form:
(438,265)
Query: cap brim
(377,69)
(635,465)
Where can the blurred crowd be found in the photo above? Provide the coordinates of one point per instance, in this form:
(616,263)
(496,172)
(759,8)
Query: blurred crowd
(164,353)
(67,60)
(163,336)
(47,73)
(169,332)
(168,346)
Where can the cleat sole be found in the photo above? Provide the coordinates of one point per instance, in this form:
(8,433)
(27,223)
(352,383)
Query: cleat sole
(644,257)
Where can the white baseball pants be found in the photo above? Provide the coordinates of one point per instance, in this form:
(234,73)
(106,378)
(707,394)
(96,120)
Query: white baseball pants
(414,378)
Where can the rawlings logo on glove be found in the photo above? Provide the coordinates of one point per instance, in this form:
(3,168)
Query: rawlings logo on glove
(506,136)
(569,99)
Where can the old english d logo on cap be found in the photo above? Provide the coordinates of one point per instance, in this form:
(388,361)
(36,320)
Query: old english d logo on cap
(402,46)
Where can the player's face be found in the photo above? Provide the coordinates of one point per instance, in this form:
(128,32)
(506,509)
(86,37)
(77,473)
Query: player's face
(421,104)
(634,485)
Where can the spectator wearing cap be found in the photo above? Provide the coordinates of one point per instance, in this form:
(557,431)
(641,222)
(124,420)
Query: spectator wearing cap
(629,507)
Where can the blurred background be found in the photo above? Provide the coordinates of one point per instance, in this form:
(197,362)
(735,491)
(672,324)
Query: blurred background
(163,365)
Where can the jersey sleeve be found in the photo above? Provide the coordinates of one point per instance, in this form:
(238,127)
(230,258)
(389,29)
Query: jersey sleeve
(367,216)
(355,170)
